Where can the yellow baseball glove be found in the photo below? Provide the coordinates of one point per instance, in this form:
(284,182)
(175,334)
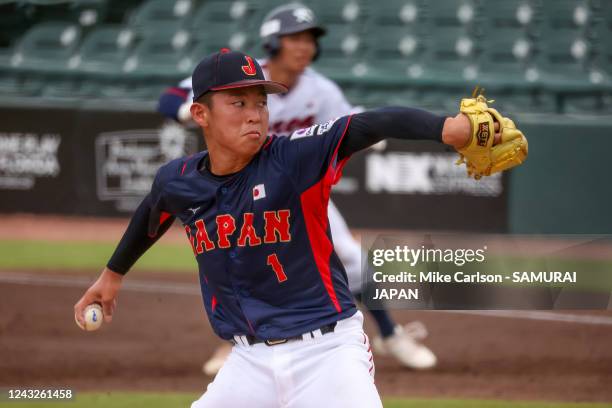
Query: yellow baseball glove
(479,155)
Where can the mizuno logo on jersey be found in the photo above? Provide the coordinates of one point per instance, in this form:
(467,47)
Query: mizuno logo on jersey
(194,210)
(276,229)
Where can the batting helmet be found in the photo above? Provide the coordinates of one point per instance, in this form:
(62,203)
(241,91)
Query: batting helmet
(288,19)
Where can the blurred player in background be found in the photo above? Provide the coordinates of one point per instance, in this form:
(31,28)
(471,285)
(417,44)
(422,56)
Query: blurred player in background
(290,35)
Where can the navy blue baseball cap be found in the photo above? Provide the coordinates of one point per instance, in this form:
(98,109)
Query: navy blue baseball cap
(228,70)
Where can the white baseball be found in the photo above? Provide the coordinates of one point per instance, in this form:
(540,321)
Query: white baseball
(93,317)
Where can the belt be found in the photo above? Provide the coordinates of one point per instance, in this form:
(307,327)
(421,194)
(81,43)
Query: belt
(252,340)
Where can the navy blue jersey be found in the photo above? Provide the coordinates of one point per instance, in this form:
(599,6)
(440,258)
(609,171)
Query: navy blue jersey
(261,237)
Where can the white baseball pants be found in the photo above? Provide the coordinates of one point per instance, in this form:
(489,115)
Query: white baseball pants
(331,370)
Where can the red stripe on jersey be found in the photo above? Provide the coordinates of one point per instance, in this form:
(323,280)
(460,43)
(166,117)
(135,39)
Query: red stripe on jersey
(314,206)
(163,217)
(335,172)
(183,169)
(214,303)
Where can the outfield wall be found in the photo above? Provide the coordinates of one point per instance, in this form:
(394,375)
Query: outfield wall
(565,185)
(99,160)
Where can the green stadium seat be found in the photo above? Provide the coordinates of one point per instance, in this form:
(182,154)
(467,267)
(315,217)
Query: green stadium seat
(394,53)
(163,54)
(91,12)
(83,12)
(563,63)
(48,48)
(342,53)
(604,11)
(154,15)
(397,13)
(63,87)
(509,14)
(441,99)
(220,35)
(593,103)
(451,59)
(505,59)
(453,13)
(340,11)
(512,102)
(602,63)
(104,50)
(565,14)
(246,13)
(127,89)
(117,10)
(9,84)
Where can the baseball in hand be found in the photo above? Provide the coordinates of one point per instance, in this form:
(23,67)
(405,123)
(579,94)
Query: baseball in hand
(93,317)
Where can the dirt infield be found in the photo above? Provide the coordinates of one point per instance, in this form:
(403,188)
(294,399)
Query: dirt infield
(158,342)
(159,338)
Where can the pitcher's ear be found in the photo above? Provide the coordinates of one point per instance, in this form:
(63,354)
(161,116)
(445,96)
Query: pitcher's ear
(200,114)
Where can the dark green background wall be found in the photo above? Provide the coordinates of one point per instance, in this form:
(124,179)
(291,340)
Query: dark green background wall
(565,186)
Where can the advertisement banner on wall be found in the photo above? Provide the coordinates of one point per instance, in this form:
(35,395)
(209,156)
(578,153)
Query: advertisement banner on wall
(416,185)
(127,161)
(35,160)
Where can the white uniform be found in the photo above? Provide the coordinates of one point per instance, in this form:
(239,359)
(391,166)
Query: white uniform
(300,373)
(314,99)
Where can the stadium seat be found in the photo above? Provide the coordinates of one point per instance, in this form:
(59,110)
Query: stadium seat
(343,53)
(604,10)
(514,101)
(104,50)
(451,59)
(590,103)
(509,14)
(124,89)
(505,58)
(453,13)
(47,48)
(234,12)
(602,63)
(340,11)
(83,12)
(393,54)
(154,15)
(163,54)
(117,10)
(397,13)
(220,35)
(9,84)
(563,60)
(565,14)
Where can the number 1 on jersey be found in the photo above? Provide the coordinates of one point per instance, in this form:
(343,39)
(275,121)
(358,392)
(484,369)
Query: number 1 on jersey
(277,268)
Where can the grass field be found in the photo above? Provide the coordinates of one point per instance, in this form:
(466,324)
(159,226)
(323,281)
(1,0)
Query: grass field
(90,255)
(139,400)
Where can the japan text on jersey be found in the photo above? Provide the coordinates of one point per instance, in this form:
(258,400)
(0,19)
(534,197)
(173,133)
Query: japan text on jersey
(261,236)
